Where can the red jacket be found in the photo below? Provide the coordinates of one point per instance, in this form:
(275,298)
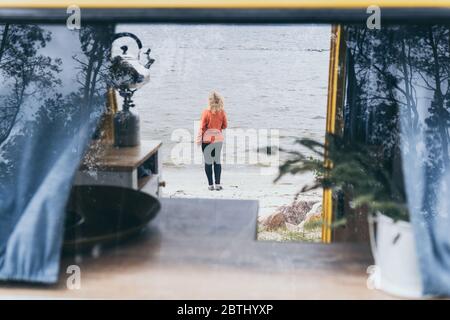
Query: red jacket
(211,126)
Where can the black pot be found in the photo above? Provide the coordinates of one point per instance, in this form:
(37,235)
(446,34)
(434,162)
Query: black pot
(106,214)
(126,129)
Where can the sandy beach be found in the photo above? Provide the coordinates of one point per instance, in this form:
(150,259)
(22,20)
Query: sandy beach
(238,184)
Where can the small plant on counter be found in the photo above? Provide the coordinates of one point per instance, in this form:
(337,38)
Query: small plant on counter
(353,167)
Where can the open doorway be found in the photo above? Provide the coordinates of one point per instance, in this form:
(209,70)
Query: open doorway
(274,82)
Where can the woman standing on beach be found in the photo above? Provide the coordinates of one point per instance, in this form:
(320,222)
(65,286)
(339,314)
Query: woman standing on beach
(210,137)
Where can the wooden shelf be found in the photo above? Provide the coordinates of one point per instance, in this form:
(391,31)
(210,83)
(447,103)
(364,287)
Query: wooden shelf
(110,158)
(143,181)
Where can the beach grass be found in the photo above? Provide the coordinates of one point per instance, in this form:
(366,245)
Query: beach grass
(310,234)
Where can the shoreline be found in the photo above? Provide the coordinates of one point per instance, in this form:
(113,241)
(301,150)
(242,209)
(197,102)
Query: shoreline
(246,183)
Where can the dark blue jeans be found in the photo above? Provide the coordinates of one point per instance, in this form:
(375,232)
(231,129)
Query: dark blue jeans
(211,154)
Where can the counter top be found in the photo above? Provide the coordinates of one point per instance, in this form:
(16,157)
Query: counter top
(108,157)
(206,249)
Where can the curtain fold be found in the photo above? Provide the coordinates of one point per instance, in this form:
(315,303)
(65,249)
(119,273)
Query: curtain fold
(52,93)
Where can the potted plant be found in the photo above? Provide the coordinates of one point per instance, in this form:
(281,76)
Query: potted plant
(361,171)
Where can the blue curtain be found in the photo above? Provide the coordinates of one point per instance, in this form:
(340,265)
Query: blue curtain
(398,99)
(426,160)
(52,93)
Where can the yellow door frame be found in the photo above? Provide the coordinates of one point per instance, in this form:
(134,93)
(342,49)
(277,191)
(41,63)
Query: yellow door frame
(229,4)
(334,78)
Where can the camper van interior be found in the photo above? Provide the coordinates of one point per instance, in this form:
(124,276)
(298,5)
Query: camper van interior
(332,150)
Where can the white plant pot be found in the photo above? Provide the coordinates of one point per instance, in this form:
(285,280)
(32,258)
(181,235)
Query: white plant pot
(396,268)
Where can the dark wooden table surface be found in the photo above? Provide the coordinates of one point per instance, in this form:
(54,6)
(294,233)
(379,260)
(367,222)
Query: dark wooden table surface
(207,249)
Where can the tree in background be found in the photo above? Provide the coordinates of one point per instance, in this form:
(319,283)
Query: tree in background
(23,70)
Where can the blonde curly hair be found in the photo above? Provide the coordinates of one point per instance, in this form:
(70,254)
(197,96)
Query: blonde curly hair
(215,102)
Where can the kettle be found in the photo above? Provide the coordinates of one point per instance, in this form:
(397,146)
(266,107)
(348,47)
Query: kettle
(128,74)
(127,71)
